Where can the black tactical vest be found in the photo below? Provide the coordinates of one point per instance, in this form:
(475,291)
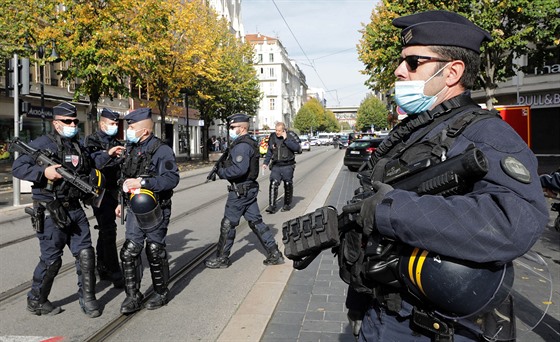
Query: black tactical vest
(94,143)
(281,154)
(253,171)
(71,156)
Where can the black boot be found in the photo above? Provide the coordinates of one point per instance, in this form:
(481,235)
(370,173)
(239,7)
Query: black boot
(272,196)
(108,266)
(159,268)
(225,242)
(275,257)
(132,269)
(88,302)
(288,195)
(38,303)
(263,233)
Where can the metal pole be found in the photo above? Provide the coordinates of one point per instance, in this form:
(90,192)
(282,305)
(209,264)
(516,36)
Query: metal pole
(15,181)
(42,75)
(188,128)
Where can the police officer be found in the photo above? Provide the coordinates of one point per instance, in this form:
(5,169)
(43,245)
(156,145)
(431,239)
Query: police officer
(495,222)
(98,145)
(150,174)
(65,222)
(281,159)
(241,169)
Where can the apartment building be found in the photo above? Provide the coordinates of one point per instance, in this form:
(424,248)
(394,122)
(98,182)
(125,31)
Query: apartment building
(282,82)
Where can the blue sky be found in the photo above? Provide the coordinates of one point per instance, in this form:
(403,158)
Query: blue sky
(321,35)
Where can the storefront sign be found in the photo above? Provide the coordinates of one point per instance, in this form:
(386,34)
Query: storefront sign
(35,112)
(540,100)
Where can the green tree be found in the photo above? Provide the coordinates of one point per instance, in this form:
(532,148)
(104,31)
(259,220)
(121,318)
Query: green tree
(372,111)
(309,117)
(518,27)
(331,123)
(229,84)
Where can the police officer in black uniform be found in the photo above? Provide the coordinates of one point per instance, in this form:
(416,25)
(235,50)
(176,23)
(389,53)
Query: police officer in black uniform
(99,145)
(64,222)
(150,174)
(496,221)
(281,160)
(241,169)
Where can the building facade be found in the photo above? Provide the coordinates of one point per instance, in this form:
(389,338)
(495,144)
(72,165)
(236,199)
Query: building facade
(281,81)
(540,89)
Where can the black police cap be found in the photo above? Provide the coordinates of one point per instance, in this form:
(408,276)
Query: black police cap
(65,109)
(441,28)
(138,115)
(110,114)
(238,118)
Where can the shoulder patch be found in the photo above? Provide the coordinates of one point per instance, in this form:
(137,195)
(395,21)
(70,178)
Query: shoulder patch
(516,170)
(239,158)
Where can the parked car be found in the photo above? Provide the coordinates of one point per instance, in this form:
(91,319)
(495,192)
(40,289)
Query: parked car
(359,152)
(343,141)
(305,143)
(314,142)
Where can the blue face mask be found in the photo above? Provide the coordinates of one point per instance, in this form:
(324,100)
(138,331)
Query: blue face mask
(111,130)
(69,131)
(409,95)
(131,136)
(233,133)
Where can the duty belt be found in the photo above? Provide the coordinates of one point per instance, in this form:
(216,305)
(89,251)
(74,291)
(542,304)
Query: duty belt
(242,189)
(67,204)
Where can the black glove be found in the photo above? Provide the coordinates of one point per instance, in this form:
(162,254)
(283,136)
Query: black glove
(366,207)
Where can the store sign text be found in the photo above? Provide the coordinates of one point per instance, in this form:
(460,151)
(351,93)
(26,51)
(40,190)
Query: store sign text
(540,100)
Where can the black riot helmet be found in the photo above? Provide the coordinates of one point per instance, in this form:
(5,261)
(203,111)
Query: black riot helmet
(455,288)
(97,180)
(146,209)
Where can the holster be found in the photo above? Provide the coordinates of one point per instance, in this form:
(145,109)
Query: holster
(37,218)
(58,213)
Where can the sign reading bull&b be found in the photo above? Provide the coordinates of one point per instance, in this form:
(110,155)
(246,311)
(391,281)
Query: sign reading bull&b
(35,112)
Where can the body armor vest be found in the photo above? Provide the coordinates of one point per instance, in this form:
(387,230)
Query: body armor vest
(71,156)
(137,164)
(281,154)
(253,171)
(95,143)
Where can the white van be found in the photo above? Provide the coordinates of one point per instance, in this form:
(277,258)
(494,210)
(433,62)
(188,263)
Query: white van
(326,138)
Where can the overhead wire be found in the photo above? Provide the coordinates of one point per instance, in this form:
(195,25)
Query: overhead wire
(311,64)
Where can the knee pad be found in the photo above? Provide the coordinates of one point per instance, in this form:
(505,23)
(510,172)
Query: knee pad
(130,250)
(86,257)
(155,251)
(275,184)
(226,225)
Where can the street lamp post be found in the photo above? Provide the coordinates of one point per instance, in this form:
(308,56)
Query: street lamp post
(187,92)
(41,54)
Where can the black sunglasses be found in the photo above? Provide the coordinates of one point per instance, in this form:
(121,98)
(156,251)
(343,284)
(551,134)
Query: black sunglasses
(413,60)
(69,121)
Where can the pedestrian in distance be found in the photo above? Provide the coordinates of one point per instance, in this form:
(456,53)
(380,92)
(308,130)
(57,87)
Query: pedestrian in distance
(281,160)
(149,175)
(495,220)
(59,218)
(241,169)
(98,144)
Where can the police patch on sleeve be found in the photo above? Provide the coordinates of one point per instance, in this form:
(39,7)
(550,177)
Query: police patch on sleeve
(516,170)
(239,158)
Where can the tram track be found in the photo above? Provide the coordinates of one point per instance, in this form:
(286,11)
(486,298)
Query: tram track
(69,267)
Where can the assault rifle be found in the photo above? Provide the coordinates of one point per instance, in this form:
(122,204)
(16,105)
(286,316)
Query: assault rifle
(214,172)
(306,236)
(45,159)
